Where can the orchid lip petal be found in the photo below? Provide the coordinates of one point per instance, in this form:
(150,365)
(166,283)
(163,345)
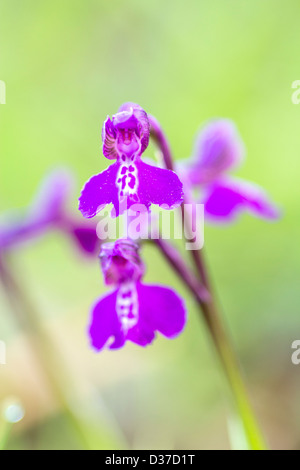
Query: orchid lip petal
(134,311)
(158,309)
(145,184)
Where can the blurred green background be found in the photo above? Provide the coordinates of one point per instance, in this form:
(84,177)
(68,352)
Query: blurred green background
(67,64)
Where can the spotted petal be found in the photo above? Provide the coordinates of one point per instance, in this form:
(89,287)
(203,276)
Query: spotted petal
(158,186)
(153,186)
(160,310)
(99,191)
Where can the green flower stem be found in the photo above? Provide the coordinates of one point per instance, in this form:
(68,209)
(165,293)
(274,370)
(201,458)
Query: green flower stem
(220,338)
(210,313)
(232,368)
(5,431)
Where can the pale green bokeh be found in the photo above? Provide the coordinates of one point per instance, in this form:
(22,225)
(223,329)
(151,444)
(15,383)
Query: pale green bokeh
(66,66)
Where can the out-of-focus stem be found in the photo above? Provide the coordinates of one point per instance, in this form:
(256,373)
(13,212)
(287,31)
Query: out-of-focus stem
(175,260)
(60,381)
(210,313)
(5,434)
(220,338)
(161,141)
(159,137)
(26,317)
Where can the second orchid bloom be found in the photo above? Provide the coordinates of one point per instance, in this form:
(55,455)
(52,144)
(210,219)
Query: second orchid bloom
(219,149)
(133,311)
(129,180)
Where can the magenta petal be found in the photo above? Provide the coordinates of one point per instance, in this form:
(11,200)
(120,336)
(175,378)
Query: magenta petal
(51,197)
(129,117)
(105,324)
(120,262)
(99,191)
(45,211)
(225,199)
(218,149)
(160,309)
(158,186)
(155,186)
(15,230)
(142,119)
(86,239)
(109,140)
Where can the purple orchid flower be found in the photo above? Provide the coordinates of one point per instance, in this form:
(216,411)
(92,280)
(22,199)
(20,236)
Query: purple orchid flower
(218,150)
(133,311)
(129,180)
(46,212)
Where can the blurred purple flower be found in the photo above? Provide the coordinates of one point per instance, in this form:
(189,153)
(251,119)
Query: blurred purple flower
(218,150)
(134,311)
(48,212)
(129,180)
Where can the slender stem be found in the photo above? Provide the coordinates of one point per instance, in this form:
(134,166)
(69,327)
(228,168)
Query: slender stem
(5,434)
(159,137)
(232,368)
(210,313)
(174,258)
(161,141)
